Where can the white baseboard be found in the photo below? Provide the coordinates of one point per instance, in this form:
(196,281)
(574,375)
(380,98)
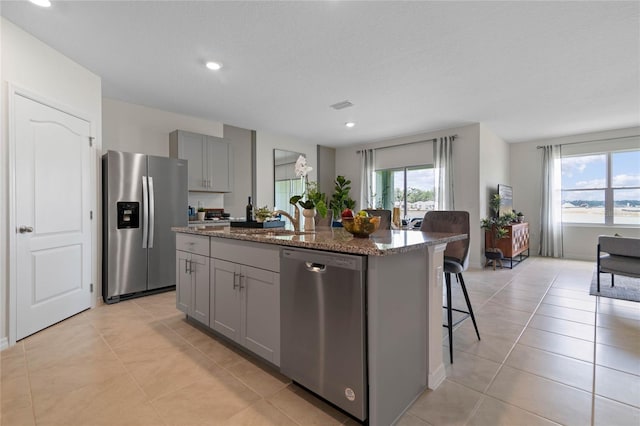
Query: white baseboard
(4,343)
(436,378)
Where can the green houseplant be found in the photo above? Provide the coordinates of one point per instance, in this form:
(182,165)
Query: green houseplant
(263,213)
(495,228)
(340,199)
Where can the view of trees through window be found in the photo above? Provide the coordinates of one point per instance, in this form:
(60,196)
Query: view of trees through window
(410,188)
(601,188)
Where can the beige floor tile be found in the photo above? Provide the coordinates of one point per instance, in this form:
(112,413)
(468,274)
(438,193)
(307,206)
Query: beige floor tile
(551,400)
(492,326)
(557,343)
(631,312)
(609,413)
(564,327)
(470,370)
(555,367)
(575,284)
(65,377)
(617,322)
(619,337)
(569,314)
(216,398)
(62,337)
(589,306)
(492,412)
(304,408)
(617,359)
(618,385)
(166,370)
(222,353)
(450,404)
(490,347)
(17,412)
(261,379)
(143,338)
(521,293)
(504,313)
(571,294)
(513,302)
(117,401)
(409,419)
(13,351)
(80,348)
(261,413)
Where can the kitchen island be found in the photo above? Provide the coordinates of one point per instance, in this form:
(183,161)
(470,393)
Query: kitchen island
(403,300)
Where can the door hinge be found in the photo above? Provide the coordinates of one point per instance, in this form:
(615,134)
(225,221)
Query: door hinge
(91,138)
(91,287)
(91,214)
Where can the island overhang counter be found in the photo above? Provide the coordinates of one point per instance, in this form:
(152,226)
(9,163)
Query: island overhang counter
(403,297)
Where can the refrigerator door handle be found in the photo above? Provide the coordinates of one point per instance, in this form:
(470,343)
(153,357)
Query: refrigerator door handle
(145,212)
(152,212)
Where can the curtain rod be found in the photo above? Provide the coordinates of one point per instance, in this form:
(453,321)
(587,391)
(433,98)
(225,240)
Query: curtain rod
(407,143)
(594,140)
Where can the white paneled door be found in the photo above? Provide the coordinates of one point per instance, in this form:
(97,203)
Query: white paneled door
(52,215)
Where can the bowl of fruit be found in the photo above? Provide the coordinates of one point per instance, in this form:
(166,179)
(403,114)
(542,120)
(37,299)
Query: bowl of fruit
(360,224)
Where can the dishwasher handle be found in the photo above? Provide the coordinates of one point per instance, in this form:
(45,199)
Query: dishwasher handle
(315,267)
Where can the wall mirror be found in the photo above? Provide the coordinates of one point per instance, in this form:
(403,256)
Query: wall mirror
(285,182)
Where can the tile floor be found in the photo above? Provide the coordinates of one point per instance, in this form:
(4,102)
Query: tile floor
(549,354)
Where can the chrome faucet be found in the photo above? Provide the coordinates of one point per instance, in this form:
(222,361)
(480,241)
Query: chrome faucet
(294,221)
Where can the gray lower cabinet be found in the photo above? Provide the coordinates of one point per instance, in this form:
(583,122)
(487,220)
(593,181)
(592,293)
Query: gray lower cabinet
(192,276)
(192,285)
(245,307)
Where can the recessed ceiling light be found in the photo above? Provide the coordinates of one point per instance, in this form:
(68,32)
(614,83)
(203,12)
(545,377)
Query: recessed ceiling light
(349,124)
(41,3)
(215,66)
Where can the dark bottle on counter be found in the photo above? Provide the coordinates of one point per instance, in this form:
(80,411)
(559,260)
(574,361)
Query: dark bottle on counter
(249,211)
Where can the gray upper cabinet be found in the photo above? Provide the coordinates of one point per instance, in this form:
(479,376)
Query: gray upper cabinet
(210,160)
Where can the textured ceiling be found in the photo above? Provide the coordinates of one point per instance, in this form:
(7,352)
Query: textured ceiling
(528,70)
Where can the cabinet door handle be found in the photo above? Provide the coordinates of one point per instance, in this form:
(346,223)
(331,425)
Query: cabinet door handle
(186,266)
(241,278)
(235,275)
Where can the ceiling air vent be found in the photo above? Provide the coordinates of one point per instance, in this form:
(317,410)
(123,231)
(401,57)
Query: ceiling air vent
(342,105)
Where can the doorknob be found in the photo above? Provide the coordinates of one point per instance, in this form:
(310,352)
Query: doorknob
(24,229)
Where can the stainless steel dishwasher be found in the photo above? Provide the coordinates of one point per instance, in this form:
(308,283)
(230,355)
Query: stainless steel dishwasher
(323,325)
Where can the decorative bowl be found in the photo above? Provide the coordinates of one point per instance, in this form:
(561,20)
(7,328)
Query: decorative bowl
(360,226)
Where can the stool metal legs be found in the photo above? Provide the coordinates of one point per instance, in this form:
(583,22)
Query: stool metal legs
(450,310)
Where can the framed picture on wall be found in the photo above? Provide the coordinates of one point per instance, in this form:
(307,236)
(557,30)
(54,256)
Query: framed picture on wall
(506,199)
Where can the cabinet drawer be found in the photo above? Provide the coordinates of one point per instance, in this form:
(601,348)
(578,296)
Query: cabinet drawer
(263,256)
(193,244)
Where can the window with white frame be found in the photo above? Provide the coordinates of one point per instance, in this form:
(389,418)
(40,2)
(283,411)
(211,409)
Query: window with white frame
(601,188)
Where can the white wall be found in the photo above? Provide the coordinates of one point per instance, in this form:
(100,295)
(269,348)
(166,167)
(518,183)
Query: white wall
(466,152)
(526,176)
(265,144)
(30,64)
(494,170)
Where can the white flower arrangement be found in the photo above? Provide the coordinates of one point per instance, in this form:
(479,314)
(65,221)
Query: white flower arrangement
(301,167)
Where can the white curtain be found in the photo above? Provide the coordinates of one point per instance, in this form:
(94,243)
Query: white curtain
(443,159)
(367,179)
(550,207)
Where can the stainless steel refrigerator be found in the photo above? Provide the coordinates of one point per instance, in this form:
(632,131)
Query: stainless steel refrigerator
(143,196)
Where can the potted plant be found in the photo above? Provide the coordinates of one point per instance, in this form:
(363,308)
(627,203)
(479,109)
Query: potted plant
(495,230)
(201,213)
(340,199)
(520,217)
(263,213)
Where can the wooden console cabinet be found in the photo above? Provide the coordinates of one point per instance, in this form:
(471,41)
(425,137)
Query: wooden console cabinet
(514,244)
